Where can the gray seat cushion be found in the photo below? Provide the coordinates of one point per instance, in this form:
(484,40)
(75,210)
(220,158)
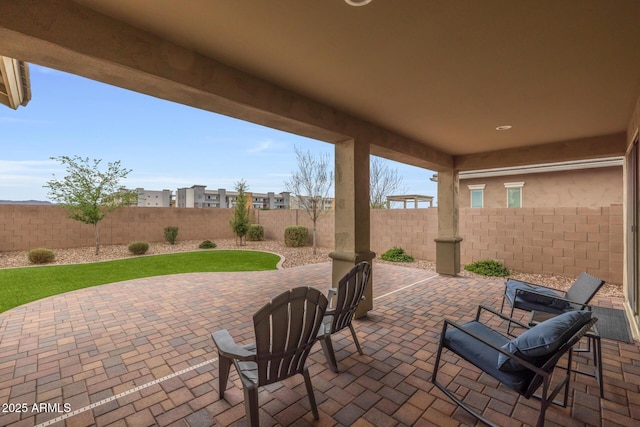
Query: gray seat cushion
(484,357)
(547,302)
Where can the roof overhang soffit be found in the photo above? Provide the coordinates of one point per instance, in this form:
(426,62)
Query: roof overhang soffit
(119,54)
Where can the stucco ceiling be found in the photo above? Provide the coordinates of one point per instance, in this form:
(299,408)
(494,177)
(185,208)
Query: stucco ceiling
(445,73)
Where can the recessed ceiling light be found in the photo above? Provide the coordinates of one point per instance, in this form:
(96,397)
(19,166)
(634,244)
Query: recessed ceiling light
(357,2)
(504,127)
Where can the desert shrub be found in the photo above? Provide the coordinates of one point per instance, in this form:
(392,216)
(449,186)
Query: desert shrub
(138,247)
(488,267)
(171,234)
(396,254)
(207,244)
(295,236)
(41,256)
(255,233)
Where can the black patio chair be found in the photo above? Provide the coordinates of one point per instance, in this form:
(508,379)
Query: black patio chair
(531,297)
(343,302)
(525,363)
(285,330)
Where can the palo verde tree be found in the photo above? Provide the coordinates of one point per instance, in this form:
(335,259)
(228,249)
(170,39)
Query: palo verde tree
(240,220)
(311,185)
(384,181)
(89,193)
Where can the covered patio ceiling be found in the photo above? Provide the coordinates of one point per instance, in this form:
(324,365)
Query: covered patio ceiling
(437,76)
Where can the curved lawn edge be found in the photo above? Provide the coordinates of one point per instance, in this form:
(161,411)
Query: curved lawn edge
(27,284)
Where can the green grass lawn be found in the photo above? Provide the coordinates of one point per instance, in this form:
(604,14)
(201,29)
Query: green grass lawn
(22,285)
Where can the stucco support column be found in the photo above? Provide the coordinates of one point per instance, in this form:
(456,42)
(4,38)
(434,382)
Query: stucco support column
(448,241)
(352,222)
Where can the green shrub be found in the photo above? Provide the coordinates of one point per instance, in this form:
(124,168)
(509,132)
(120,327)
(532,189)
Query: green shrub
(255,233)
(138,247)
(488,267)
(171,234)
(207,244)
(396,254)
(295,236)
(41,256)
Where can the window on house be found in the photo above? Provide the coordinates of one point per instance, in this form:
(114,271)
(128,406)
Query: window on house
(477,195)
(514,194)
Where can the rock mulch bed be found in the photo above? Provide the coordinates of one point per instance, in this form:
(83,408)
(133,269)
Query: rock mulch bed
(293,257)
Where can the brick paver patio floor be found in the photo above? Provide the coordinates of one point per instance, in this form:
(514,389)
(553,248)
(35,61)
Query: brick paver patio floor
(139,353)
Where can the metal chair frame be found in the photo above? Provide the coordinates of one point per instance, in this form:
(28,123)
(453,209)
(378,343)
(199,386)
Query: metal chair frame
(543,374)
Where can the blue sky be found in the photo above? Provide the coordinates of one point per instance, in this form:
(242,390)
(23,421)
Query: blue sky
(166,145)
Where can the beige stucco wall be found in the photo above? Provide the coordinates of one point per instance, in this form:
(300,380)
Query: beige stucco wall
(578,188)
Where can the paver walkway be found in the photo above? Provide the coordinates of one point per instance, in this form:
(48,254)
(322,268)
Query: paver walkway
(139,353)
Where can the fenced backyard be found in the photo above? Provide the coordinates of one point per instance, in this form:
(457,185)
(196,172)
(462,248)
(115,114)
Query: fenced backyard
(139,352)
(560,241)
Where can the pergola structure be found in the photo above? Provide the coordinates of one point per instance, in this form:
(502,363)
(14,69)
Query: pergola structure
(415,198)
(445,85)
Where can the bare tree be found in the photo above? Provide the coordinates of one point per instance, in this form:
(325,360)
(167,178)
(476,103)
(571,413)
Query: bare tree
(311,185)
(384,181)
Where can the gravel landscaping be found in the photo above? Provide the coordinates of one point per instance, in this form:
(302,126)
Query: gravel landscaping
(293,257)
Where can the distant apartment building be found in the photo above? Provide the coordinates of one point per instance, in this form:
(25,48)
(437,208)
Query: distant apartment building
(154,198)
(298,202)
(197,196)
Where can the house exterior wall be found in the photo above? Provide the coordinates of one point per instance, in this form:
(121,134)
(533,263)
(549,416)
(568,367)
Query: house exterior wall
(574,188)
(631,284)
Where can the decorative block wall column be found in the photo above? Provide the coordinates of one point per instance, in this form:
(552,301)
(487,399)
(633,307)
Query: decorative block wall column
(448,240)
(352,221)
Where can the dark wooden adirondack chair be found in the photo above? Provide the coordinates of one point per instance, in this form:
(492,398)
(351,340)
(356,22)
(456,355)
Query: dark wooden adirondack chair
(343,303)
(285,330)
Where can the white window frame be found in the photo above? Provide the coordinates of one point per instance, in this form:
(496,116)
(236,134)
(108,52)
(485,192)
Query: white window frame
(512,185)
(476,187)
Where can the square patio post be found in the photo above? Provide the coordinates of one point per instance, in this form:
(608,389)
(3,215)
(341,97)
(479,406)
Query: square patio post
(352,221)
(448,241)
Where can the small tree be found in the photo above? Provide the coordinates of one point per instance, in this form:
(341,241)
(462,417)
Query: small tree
(88,193)
(240,220)
(311,185)
(384,181)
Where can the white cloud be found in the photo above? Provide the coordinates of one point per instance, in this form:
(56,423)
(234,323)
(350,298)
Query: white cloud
(260,147)
(29,166)
(268,145)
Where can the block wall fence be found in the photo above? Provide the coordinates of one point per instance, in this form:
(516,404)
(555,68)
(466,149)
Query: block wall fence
(561,241)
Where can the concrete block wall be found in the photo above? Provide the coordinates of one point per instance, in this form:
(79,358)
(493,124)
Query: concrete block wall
(561,241)
(24,227)
(275,221)
(414,230)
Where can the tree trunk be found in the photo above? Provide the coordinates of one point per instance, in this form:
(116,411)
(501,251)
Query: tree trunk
(97,233)
(314,236)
